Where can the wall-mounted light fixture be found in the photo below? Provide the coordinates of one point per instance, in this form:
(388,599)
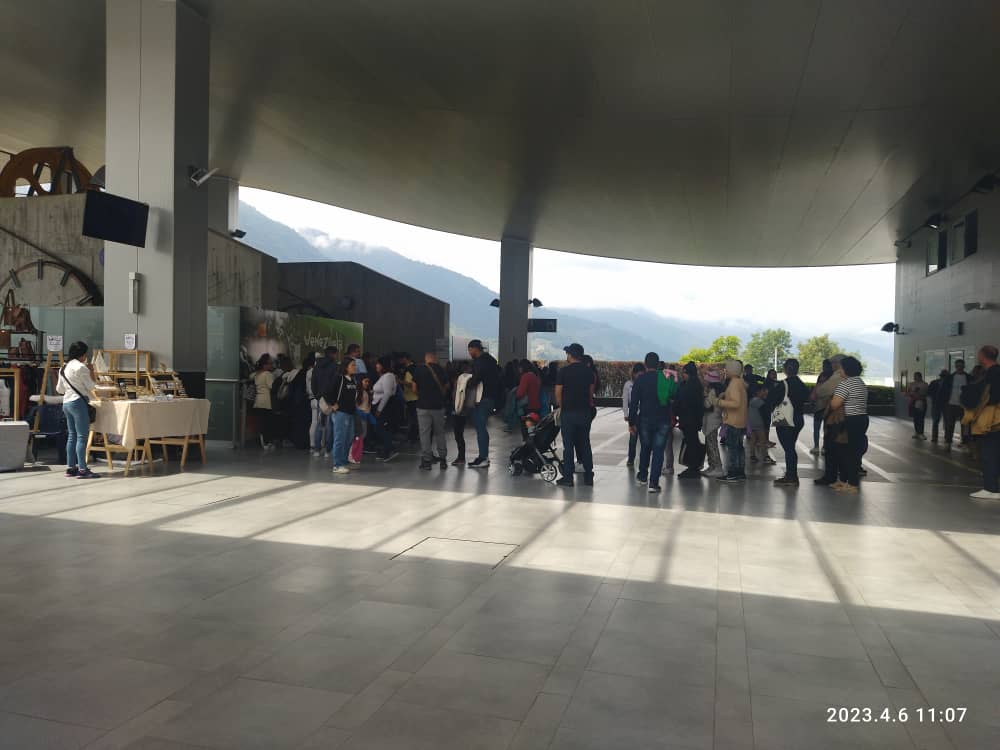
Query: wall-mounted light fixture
(238,234)
(134,285)
(970,306)
(891,328)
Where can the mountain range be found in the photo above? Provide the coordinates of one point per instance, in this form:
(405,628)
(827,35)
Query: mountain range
(613,334)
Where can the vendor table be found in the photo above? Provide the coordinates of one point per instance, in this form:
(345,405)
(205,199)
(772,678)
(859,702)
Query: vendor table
(142,424)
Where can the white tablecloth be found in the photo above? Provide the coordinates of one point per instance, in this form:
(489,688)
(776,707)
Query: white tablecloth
(135,420)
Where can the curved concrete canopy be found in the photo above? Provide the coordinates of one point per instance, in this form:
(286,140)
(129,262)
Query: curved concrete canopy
(719,132)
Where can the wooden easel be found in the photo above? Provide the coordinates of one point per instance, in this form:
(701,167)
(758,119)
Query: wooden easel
(49,356)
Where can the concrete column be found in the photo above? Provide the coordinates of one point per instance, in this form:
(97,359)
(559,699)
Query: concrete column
(156,130)
(223,204)
(515,292)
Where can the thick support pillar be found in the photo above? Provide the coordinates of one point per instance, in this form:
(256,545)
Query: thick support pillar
(515,293)
(223,205)
(156,130)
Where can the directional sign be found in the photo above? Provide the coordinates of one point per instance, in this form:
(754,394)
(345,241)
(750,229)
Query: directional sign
(541,325)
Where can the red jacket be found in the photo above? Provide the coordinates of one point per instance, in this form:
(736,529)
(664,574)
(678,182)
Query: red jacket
(530,386)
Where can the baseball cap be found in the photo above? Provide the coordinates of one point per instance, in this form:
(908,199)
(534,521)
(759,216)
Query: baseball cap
(574,350)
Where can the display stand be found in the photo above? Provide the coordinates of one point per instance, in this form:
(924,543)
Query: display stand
(14,372)
(142,452)
(183,441)
(118,359)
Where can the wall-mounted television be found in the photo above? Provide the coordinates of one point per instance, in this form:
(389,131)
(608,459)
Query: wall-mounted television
(111,217)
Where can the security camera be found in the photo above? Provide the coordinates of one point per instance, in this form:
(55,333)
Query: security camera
(200,176)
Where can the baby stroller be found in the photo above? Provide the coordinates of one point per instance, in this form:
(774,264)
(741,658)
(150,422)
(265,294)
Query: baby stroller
(537,454)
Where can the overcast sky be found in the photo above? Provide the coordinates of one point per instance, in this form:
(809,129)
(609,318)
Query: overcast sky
(799,298)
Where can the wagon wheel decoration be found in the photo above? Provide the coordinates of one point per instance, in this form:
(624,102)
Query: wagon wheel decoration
(66,174)
(77,289)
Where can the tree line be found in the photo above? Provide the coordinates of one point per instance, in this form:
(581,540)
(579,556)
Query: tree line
(759,350)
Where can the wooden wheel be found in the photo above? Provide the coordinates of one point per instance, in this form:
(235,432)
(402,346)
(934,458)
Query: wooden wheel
(66,174)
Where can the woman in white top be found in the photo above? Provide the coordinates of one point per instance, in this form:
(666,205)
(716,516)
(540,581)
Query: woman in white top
(637,370)
(382,393)
(76,384)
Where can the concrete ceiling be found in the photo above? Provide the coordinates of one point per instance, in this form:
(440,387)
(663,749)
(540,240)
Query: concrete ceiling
(716,132)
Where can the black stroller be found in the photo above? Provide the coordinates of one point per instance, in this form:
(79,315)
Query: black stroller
(537,454)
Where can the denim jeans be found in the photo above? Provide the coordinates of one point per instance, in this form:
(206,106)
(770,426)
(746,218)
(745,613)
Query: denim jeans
(482,413)
(78,428)
(343,434)
(668,447)
(633,445)
(328,432)
(736,457)
(575,429)
(652,440)
(989,454)
(315,425)
(817,428)
(788,436)
(919,417)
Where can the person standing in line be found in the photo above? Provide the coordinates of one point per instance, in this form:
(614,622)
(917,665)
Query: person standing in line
(734,416)
(575,397)
(528,395)
(76,384)
(985,426)
(690,417)
(668,385)
(315,414)
(263,380)
(953,386)
(649,416)
(407,368)
(852,394)
(834,445)
(364,415)
(633,438)
(937,396)
(324,372)
(354,352)
(711,425)
(486,372)
(463,405)
(916,392)
(758,426)
(824,375)
(795,390)
(343,399)
(383,393)
(432,395)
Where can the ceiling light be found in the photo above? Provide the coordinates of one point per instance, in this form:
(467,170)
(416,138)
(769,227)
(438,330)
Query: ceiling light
(934,221)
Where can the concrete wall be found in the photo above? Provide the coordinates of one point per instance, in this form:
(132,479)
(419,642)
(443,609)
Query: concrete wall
(927,305)
(237,274)
(396,317)
(54,223)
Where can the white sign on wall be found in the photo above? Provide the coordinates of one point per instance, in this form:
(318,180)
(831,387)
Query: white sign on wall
(130,342)
(54,344)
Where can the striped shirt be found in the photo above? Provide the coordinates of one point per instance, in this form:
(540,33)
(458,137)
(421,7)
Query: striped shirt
(855,394)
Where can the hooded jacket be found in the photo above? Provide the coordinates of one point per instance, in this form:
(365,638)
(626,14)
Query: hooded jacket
(734,404)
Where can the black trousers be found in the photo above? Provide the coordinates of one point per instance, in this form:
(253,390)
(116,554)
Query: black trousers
(458,430)
(857,445)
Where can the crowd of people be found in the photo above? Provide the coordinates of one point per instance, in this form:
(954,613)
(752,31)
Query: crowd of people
(344,406)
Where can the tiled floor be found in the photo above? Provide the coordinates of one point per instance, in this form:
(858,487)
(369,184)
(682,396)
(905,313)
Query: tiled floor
(258,602)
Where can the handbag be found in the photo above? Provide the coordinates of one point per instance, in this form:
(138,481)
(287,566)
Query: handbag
(784,413)
(91,410)
(357,449)
(15,316)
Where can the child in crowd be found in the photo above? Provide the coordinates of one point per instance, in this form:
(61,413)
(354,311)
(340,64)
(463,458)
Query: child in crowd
(365,417)
(758,426)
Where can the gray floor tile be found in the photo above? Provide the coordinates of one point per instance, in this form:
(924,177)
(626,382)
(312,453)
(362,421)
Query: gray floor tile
(254,715)
(327,662)
(637,712)
(477,684)
(401,726)
(684,660)
(383,621)
(510,638)
(423,590)
(102,693)
(815,678)
(22,732)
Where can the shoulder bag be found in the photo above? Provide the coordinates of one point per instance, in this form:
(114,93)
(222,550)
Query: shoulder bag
(91,410)
(444,391)
(784,413)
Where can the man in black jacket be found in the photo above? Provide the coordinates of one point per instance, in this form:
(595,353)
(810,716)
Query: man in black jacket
(989,442)
(690,415)
(323,375)
(485,370)
(432,394)
(937,394)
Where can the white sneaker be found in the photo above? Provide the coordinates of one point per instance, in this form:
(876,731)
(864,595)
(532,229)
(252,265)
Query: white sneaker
(317,454)
(986,495)
(340,470)
(667,472)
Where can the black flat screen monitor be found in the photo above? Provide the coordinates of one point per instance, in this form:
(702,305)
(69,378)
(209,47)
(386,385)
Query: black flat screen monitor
(111,217)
